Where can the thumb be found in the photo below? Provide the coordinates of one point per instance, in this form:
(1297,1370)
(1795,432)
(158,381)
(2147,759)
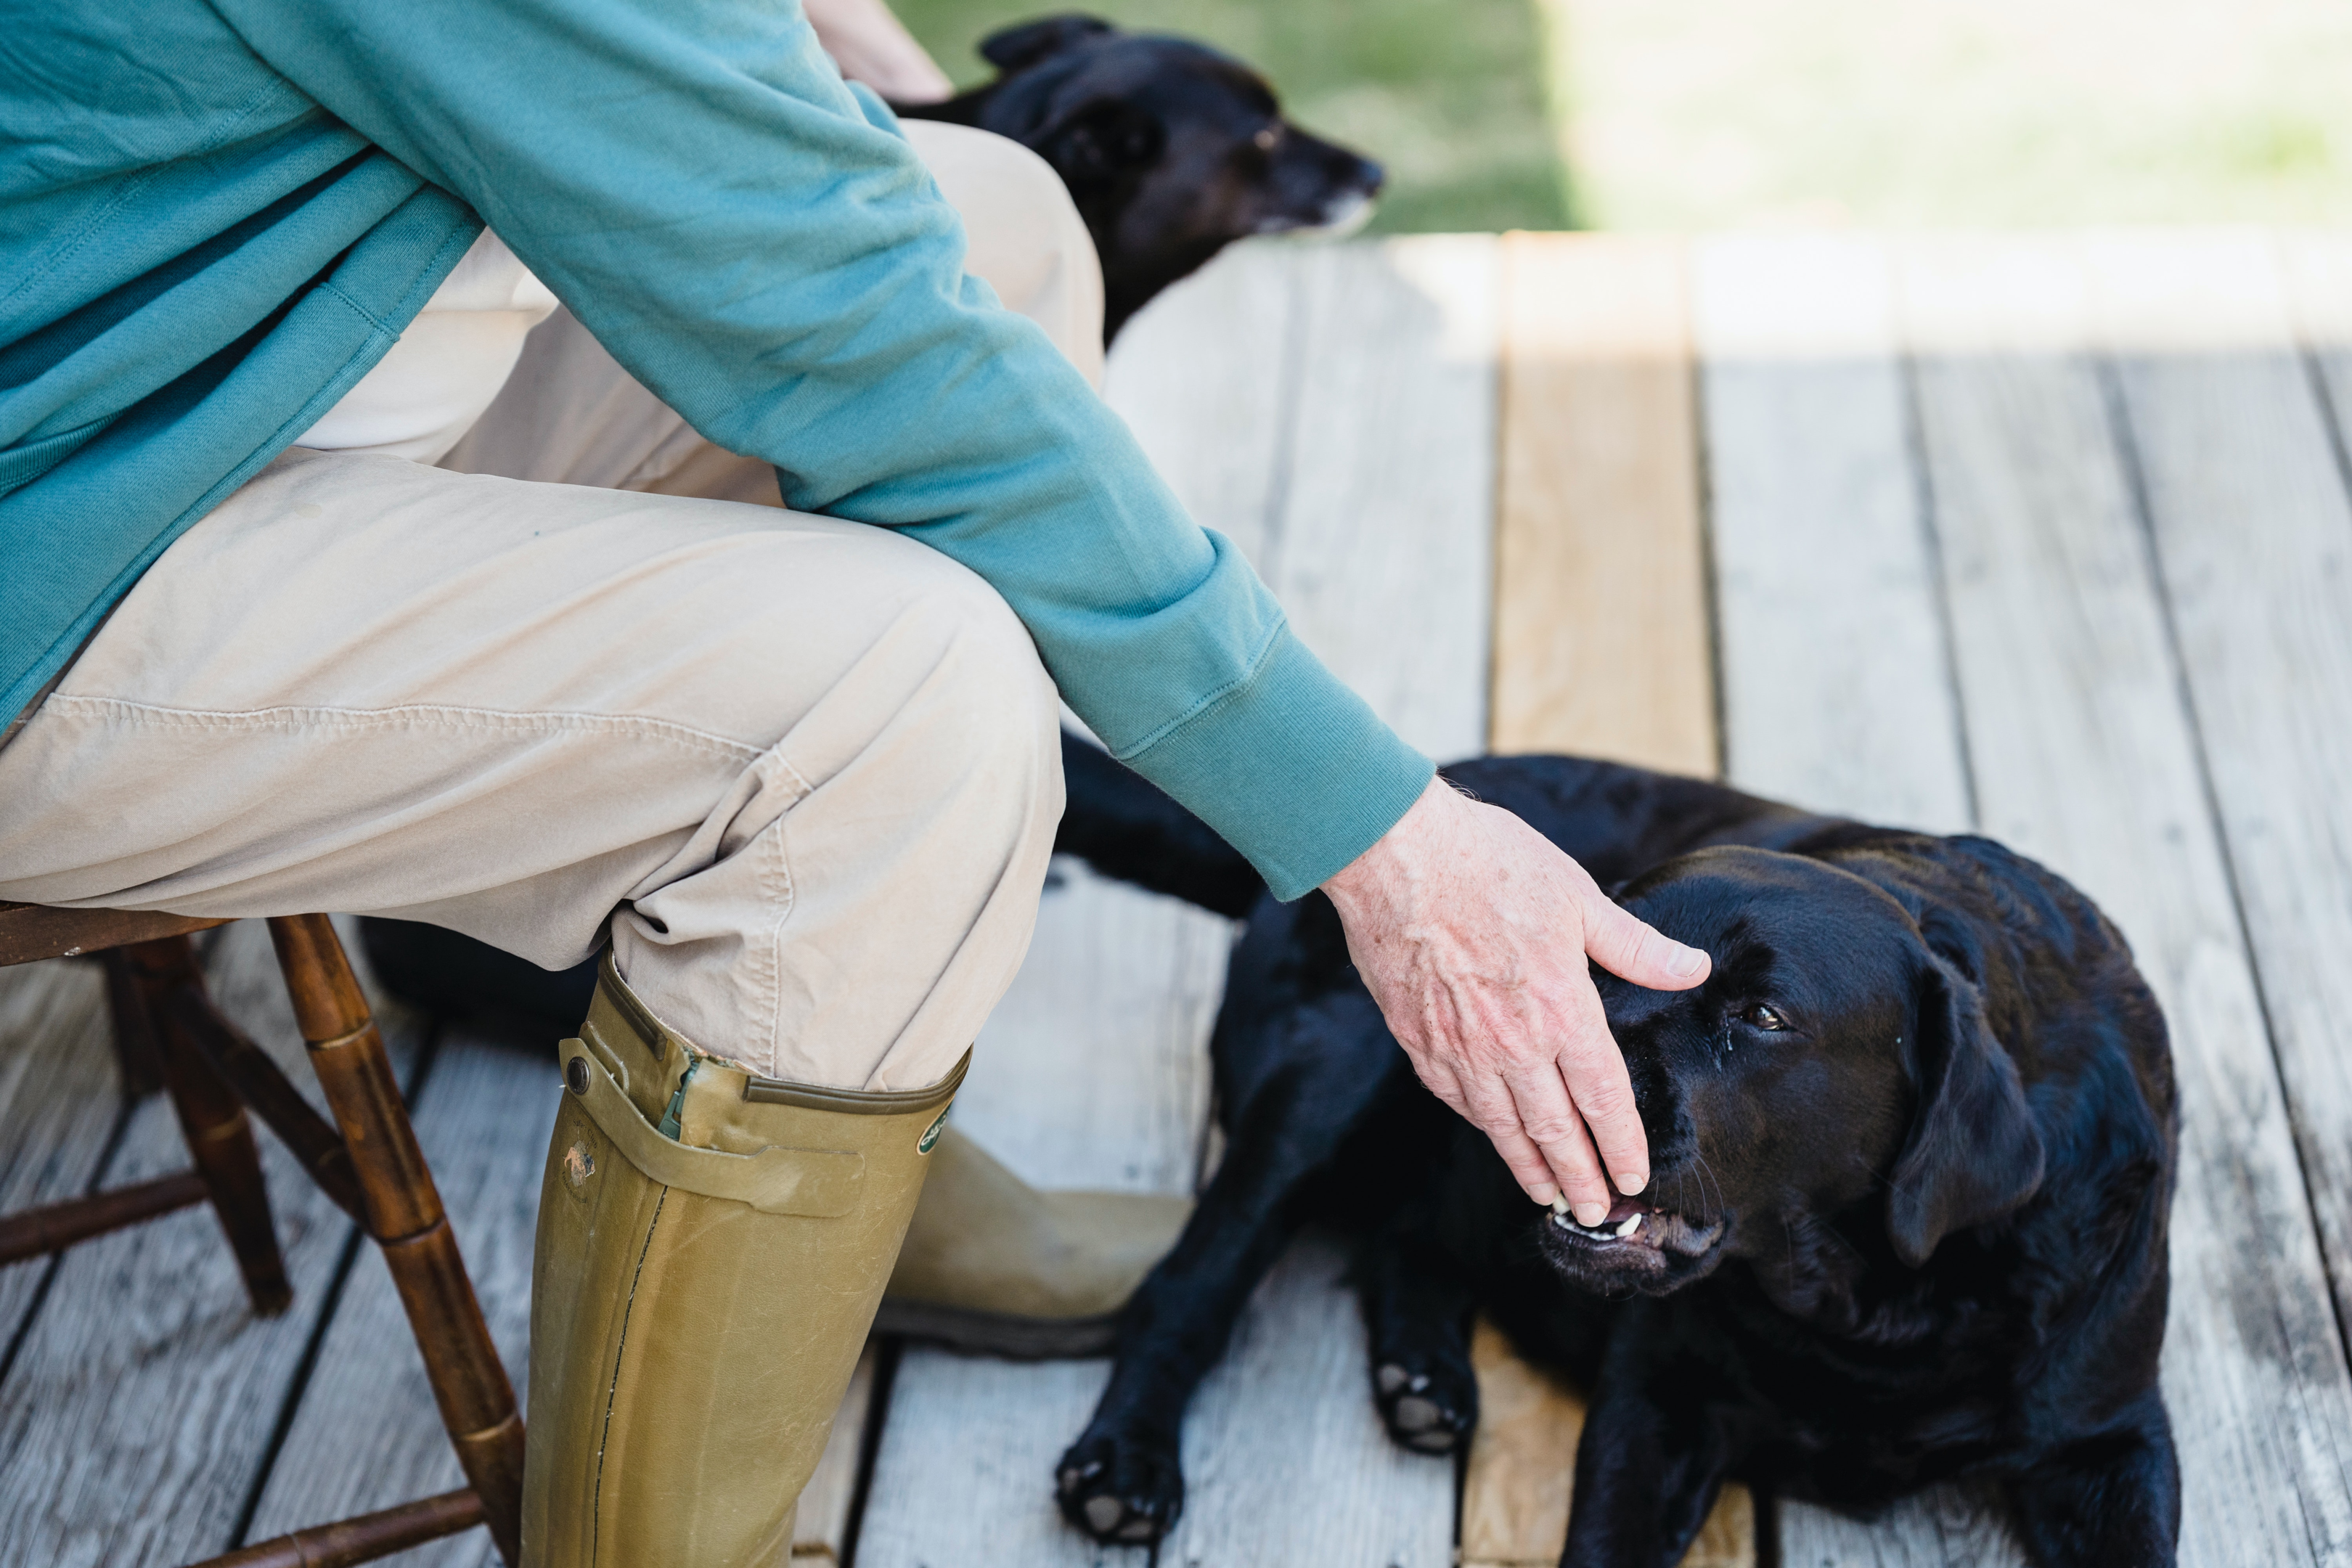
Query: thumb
(1632,949)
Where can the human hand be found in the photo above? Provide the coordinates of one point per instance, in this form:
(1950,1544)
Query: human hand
(872,45)
(1472,930)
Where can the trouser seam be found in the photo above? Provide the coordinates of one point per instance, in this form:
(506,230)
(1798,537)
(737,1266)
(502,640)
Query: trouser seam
(294,718)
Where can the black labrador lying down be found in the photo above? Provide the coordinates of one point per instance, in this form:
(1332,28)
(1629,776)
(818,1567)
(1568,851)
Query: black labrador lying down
(1912,1147)
(1170,149)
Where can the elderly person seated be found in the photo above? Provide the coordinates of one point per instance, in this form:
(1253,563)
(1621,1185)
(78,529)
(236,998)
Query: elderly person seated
(731,637)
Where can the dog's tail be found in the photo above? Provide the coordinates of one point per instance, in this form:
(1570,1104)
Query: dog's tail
(1120,823)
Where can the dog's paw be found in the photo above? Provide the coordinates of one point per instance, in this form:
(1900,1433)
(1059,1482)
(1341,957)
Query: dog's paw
(1124,1492)
(1430,1406)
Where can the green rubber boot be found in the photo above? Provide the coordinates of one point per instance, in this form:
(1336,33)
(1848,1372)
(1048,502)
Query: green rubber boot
(993,1265)
(711,1249)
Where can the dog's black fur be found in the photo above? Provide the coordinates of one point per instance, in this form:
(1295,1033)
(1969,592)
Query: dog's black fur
(1170,149)
(1912,1149)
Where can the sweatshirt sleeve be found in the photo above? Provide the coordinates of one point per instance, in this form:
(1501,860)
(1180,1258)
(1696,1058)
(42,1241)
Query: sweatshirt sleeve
(752,239)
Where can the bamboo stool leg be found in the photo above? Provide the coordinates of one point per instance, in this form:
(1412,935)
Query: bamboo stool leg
(220,1141)
(361,1540)
(134,1032)
(181,1009)
(406,1218)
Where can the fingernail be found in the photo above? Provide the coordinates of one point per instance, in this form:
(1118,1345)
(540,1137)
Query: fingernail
(1687,962)
(1629,1185)
(1591,1215)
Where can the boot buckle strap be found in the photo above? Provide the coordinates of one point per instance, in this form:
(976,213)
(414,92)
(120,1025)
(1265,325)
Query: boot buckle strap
(812,1184)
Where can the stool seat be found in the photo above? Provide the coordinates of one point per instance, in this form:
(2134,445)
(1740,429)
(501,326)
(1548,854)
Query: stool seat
(30,932)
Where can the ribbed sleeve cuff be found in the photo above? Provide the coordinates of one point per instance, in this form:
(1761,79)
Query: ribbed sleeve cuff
(1289,767)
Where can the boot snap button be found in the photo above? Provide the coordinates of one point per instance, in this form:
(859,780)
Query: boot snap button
(575,1075)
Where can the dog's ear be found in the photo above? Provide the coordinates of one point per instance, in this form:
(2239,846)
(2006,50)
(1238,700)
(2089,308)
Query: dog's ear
(1974,1154)
(1010,49)
(1092,144)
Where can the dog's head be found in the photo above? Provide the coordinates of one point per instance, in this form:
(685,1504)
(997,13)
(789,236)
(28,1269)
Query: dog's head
(1834,1078)
(1170,149)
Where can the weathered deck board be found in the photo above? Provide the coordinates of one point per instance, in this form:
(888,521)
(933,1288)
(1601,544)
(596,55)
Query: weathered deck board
(134,1422)
(1286,1461)
(1600,595)
(1521,1480)
(366,1435)
(2088,760)
(2254,536)
(1092,1071)
(1837,688)
(60,1098)
(1382,547)
(1373,530)
(1823,552)
(1602,647)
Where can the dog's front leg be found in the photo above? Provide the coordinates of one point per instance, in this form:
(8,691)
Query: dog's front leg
(2111,1498)
(1122,1480)
(1417,1304)
(1647,1468)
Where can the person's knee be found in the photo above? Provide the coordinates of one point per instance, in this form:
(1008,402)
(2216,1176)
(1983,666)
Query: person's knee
(990,713)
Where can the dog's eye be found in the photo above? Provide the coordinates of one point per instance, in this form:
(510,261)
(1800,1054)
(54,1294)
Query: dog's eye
(1765,1017)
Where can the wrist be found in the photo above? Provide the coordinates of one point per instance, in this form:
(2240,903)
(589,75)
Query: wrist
(1378,873)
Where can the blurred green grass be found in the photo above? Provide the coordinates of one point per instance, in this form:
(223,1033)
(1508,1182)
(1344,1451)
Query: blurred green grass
(1692,114)
(1950,114)
(1449,95)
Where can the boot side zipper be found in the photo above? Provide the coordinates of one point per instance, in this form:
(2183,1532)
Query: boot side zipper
(670,1118)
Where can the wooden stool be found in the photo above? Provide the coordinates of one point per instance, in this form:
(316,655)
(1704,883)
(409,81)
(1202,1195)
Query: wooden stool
(168,1034)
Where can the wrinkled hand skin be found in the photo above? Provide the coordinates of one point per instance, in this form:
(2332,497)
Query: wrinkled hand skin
(1469,926)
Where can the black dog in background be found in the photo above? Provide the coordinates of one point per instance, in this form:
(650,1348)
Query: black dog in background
(1912,1145)
(1170,149)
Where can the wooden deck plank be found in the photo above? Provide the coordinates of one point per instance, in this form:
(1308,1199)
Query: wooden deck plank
(134,1423)
(1838,692)
(1092,1071)
(1286,1461)
(964,1474)
(2318,267)
(2252,528)
(59,1100)
(366,1435)
(1521,1480)
(1837,687)
(1602,647)
(2088,760)
(1382,555)
(1358,521)
(1381,549)
(1601,577)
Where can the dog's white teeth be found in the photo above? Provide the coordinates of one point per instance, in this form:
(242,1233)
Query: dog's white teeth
(1560,1203)
(1633,1223)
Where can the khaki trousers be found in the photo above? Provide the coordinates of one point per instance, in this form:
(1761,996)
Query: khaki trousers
(806,772)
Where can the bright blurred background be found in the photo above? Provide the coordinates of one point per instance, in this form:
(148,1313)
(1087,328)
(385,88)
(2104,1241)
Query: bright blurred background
(1691,115)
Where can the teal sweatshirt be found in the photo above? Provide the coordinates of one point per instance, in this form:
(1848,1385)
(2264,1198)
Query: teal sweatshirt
(215,217)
